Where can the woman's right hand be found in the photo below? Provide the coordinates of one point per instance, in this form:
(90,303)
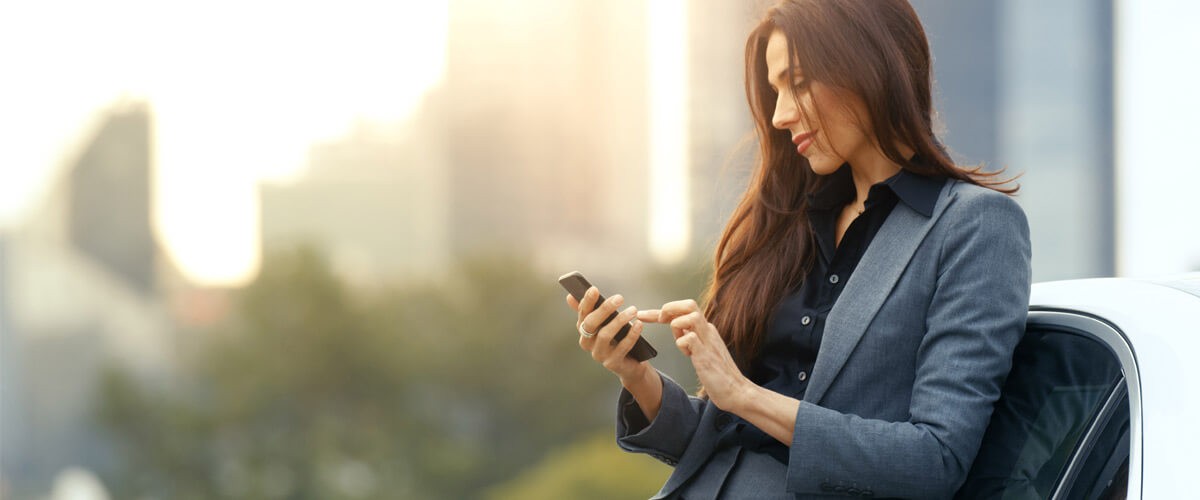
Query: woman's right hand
(612,356)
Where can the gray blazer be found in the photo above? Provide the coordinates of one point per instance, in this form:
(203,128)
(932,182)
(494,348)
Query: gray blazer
(913,357)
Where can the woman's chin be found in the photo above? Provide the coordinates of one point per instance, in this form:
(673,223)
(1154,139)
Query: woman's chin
(822,165)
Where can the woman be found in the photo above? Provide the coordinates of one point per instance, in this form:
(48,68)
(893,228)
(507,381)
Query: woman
(867,294)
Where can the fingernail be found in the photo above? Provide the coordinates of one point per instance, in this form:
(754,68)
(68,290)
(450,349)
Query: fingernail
(618,300)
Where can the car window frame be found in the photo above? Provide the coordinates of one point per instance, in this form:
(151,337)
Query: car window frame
(1083,450)
(1118,343)
(1107,426)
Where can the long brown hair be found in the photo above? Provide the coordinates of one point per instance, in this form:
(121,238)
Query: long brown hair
(875,50)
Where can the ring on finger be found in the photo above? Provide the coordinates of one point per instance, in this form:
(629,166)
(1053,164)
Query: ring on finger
(586,334)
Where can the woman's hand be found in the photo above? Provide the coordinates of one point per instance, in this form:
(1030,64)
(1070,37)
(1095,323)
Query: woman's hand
(610,355)
(700,341)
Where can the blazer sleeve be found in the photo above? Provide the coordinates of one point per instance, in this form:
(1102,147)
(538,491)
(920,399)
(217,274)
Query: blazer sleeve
(668,435)
(975,320)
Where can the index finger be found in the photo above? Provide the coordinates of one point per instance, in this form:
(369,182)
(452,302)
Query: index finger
(672,310)
(650,316)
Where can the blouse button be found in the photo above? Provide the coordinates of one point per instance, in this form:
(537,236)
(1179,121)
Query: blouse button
(802,376)
(806,320)
(833,279)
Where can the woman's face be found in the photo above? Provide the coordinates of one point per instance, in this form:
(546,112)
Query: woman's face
(827,141)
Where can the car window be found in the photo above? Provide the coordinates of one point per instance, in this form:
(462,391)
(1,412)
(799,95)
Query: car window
(1058,384)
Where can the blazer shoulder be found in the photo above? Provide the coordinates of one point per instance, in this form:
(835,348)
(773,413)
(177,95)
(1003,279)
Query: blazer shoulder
(971,200)
(984,213)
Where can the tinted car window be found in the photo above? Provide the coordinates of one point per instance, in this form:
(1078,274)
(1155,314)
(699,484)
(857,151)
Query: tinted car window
(1058,383)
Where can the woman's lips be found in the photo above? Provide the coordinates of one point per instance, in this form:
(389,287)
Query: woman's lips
(803,141)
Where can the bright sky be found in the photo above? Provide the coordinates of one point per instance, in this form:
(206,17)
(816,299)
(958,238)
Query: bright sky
(239,89)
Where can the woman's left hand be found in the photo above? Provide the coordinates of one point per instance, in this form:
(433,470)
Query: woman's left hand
(700,341)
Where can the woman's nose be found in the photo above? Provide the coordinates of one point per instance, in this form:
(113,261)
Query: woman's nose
(785,113)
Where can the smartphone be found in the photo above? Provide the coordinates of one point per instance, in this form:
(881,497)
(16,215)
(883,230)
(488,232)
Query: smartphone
(577,285)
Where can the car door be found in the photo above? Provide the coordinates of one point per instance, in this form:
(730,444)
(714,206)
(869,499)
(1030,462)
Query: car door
(1062,427)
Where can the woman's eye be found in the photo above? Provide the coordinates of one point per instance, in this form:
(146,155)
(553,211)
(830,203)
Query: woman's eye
(798,84)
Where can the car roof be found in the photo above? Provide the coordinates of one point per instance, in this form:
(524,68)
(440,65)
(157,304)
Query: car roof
(1189,283)
(1149,311)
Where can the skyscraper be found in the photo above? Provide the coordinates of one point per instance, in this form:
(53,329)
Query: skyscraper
(109,198)
(1028,86)
(79,287)
(374,201)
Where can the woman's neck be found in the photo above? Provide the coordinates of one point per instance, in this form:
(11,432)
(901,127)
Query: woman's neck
(873,167)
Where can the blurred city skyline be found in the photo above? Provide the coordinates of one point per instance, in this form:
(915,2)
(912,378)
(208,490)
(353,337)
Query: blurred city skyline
(239,93)
(216,84)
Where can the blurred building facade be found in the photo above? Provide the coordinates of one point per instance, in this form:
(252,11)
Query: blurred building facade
(720,132)
(1028,86)
(533,146)
(79,287)
(108,199)
(375,201)
(547,125)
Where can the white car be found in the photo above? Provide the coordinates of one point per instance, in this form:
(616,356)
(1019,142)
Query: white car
(1101,396)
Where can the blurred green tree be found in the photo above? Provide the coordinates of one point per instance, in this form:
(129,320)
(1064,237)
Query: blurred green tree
(313,390)
(590,469)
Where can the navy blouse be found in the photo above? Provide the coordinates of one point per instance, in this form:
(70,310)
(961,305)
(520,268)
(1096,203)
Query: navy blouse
(795,328)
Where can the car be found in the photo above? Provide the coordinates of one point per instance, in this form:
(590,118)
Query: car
(1100,400)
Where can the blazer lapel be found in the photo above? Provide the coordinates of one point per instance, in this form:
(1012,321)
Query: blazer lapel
(870,284)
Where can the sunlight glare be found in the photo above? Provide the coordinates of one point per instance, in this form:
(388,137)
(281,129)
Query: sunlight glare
(670,191)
